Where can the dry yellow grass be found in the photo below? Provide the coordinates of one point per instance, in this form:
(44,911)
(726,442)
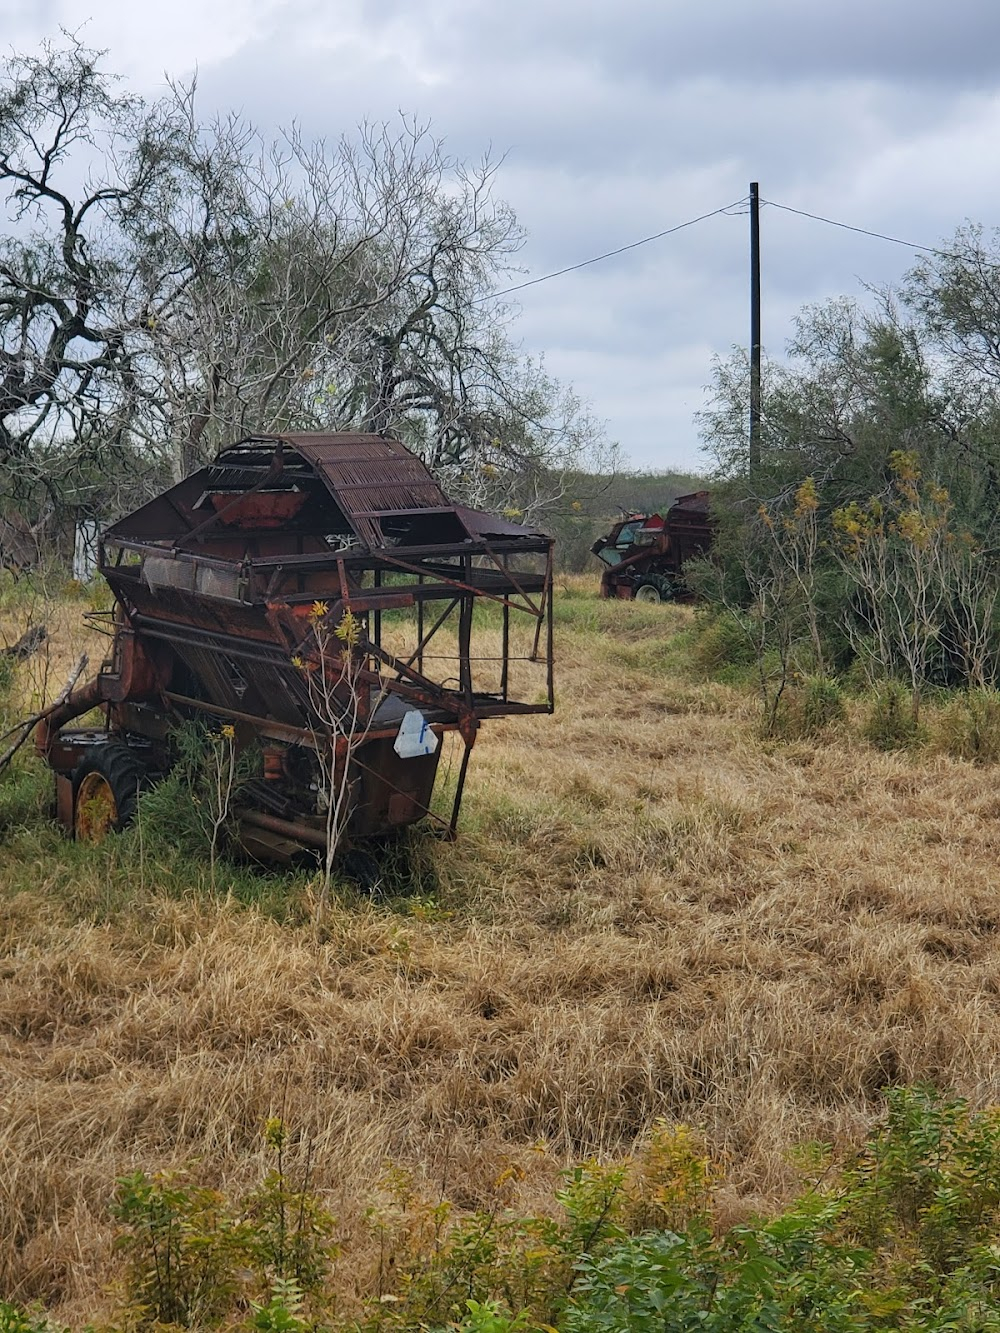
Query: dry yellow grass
(649,913)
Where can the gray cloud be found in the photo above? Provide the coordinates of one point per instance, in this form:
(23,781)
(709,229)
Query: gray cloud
(621,120)
(783,40)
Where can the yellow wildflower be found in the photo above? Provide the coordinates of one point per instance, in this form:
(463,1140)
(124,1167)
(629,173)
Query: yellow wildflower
(912,528)
(904,465)
(806,499)
(349,629)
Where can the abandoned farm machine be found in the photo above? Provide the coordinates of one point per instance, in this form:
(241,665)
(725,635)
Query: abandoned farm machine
(644,554)
(320,602)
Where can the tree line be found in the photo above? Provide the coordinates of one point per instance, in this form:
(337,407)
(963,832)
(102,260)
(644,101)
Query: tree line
(169,284)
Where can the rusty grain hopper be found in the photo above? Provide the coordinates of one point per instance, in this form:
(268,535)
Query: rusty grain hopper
(232,592)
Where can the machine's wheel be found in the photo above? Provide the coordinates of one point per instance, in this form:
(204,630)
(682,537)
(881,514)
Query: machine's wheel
(648,592)
(363,868)
(106,785)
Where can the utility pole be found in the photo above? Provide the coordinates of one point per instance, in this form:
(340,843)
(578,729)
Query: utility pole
(754,327)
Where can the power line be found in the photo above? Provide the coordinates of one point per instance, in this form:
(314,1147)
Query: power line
(609,254)
(703,217)
(863,231)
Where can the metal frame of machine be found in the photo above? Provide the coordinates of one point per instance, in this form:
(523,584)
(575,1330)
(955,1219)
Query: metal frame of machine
(229,588)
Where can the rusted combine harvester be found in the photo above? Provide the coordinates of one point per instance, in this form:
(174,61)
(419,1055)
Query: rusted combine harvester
(233,590)
(644,554)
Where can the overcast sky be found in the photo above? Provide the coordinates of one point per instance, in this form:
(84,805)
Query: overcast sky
(619,120)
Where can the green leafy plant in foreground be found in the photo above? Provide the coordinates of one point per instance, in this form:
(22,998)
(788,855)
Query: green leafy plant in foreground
(193,1257)
(903,1238)
(15,1319)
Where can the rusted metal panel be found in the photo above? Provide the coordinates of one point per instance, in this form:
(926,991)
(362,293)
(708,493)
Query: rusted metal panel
(487,527)
(370,477)
(64,801)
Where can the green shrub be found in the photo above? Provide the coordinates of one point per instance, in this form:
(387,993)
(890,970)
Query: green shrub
(788,1274)
(184,1250)
(168,817)
(930,1171)
(25,793)
(969,727)
(15,1319)
(192,808)
(904,1239)
(723,640)
(822,705)
(890,724)
(808,708)
(6,680)
(194,1256)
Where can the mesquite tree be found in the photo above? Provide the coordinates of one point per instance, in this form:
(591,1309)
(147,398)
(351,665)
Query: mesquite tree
(78,161)
(893,414)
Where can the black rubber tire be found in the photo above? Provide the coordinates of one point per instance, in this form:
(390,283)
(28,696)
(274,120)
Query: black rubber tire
(363,867)
(122,771)
(648,592)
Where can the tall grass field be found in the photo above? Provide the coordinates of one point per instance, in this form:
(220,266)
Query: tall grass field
(659,932)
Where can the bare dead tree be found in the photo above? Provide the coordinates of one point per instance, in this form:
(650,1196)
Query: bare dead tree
(202,283)
(289,247)
(436,364)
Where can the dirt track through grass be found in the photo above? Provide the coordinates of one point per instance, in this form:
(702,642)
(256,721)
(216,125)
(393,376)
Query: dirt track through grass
(650,913)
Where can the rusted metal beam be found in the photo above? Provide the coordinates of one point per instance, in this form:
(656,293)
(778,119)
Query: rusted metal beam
(305,833)
(465,586)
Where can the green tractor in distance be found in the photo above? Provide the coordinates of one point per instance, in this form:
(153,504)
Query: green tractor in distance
(644,555)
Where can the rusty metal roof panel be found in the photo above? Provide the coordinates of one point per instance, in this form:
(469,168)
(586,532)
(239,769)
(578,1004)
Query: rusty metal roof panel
(698,502)
(369,475)
(482,526)
(278,489)
(374,477)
